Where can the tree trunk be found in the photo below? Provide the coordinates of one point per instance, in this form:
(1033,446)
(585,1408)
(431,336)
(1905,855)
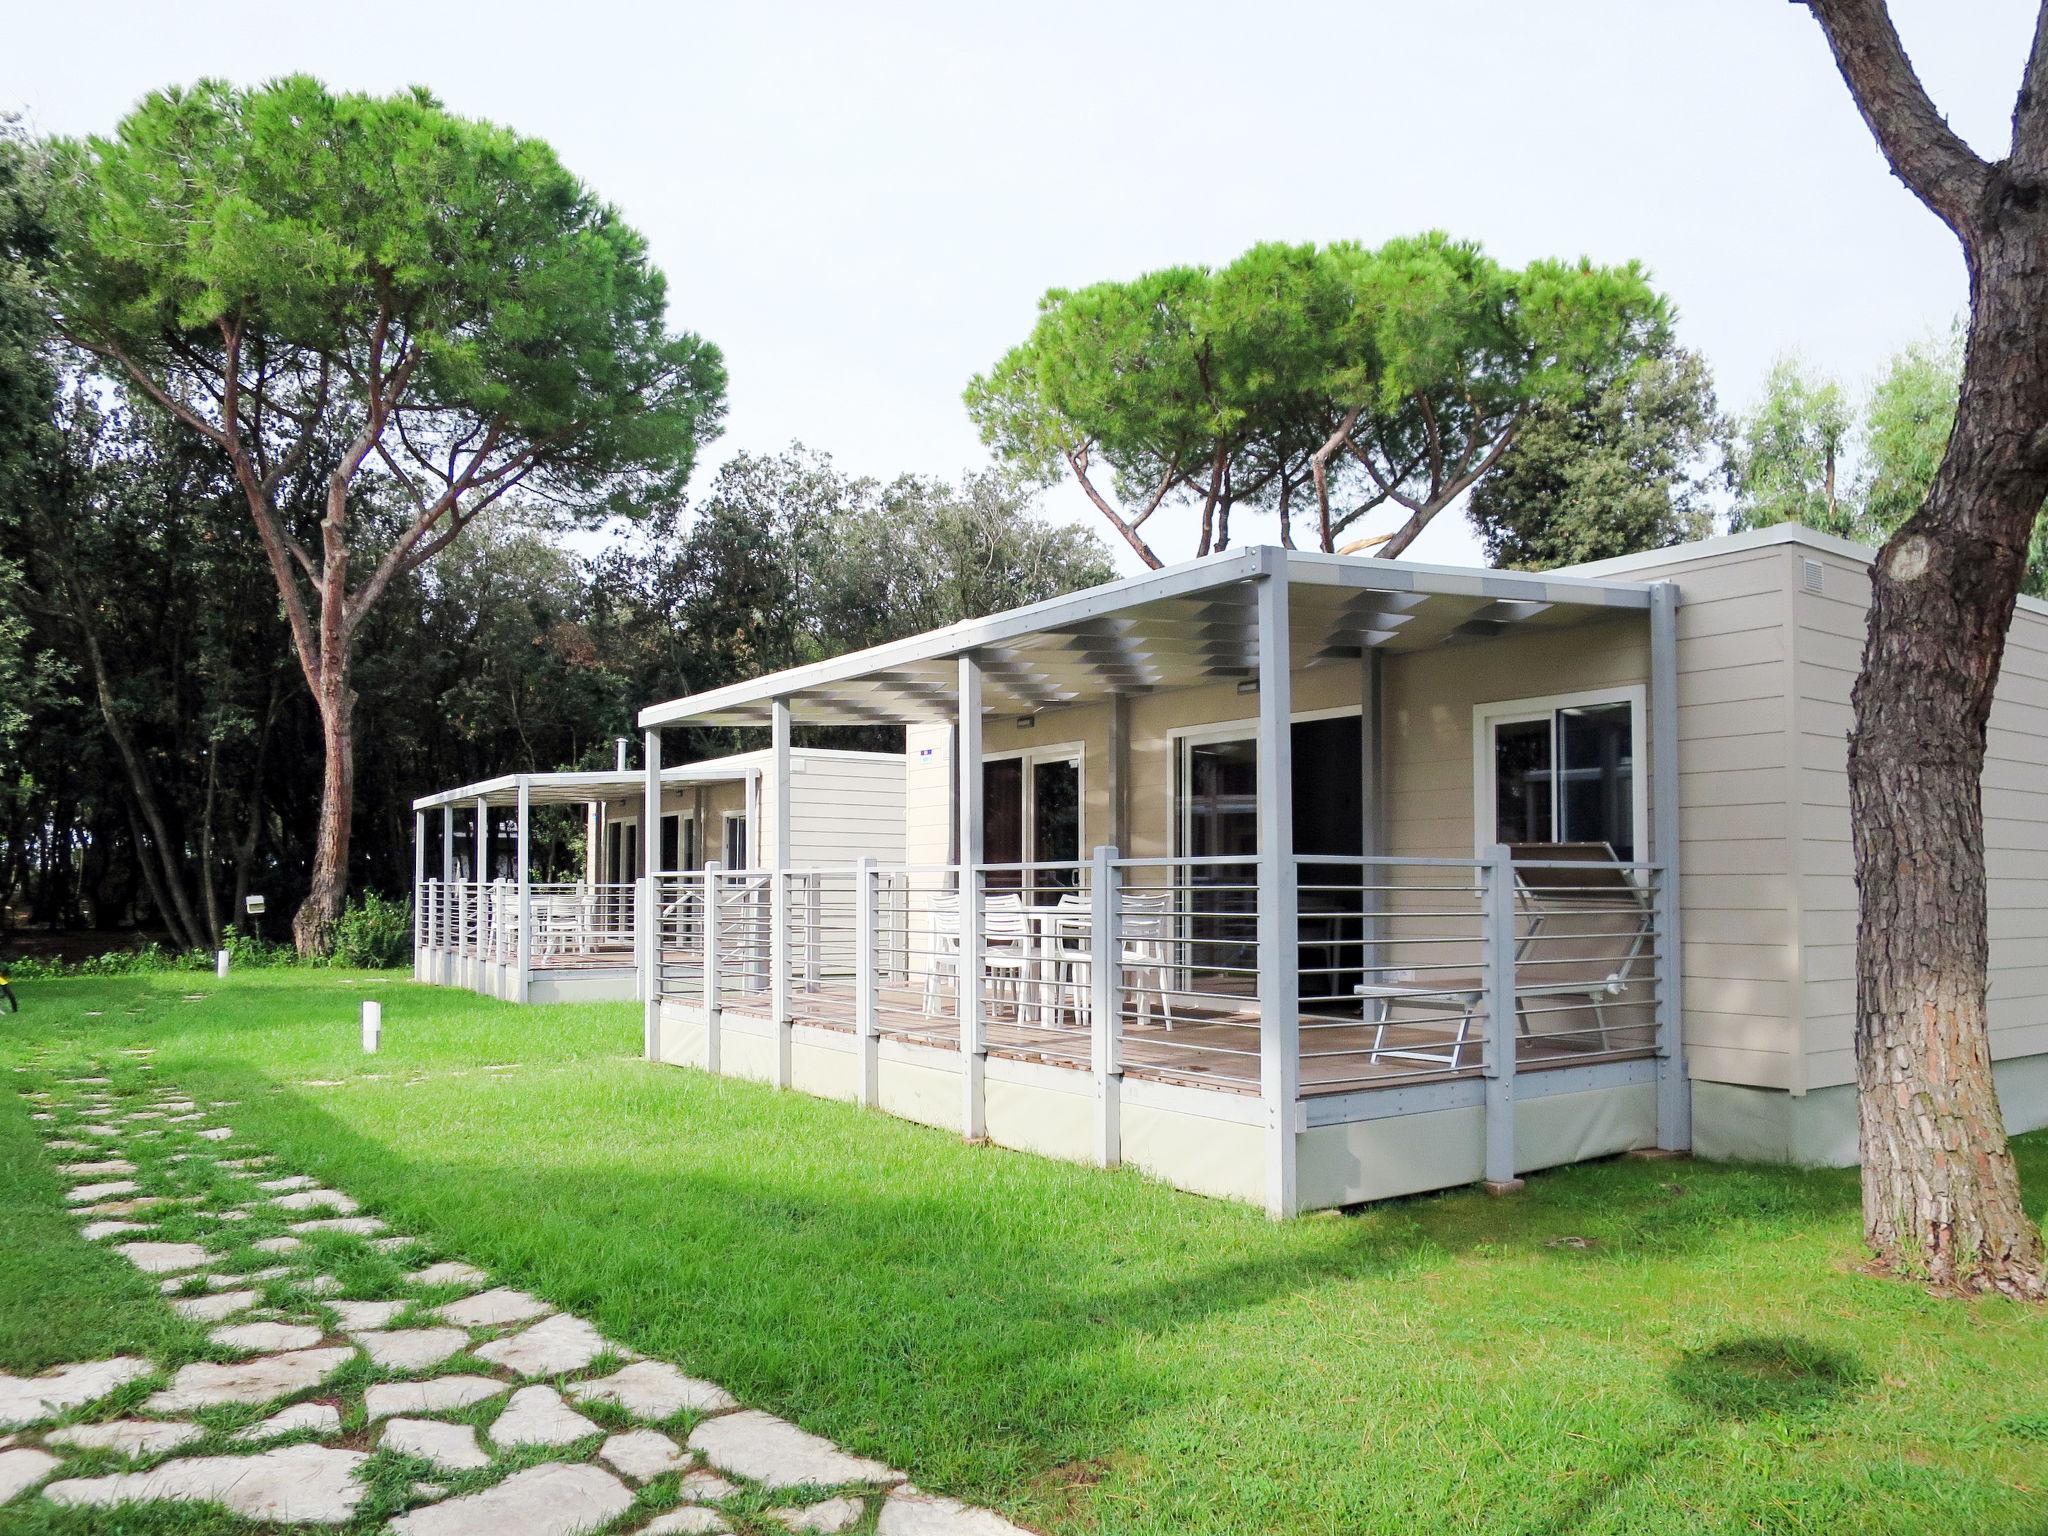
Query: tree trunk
(313,926)
(1941,1196)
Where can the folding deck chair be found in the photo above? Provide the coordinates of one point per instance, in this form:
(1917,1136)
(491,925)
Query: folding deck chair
(1582,942)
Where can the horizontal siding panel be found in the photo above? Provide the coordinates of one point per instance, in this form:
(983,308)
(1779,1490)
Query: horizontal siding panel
(1732,961)
(1732,787)
(1748,1069)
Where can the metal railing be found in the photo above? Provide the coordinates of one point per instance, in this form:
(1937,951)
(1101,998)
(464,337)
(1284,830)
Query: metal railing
(1406,969)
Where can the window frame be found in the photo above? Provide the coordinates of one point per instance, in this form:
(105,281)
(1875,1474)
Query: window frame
(1545,707)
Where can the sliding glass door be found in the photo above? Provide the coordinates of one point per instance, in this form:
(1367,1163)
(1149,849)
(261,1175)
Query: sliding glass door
(1031,810)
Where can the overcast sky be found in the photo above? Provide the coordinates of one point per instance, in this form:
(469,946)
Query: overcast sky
(862,203)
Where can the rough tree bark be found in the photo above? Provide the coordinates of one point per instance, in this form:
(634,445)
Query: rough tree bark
(1941,1197)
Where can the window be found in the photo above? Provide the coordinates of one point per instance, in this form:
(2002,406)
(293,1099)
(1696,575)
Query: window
(672,844)
(735,841)
(1561,771)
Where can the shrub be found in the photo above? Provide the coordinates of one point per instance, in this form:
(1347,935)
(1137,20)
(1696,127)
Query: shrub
(375,933)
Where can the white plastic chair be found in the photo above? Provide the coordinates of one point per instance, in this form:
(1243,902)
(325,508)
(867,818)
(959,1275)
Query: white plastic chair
(1005,945)
(1143,959)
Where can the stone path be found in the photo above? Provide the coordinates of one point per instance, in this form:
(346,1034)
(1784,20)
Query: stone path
(344,1374)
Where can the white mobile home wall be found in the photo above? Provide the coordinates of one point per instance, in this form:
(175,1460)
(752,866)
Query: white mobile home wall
(1770,639)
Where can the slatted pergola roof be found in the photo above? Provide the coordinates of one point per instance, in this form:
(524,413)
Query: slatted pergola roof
(1176,628)
(581,788)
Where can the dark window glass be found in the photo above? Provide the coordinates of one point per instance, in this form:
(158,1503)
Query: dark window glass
(1522,782)
(735,842)
(1002,819)
(1329,818)
(671,843)
(690,858)
(1596,789)
(1056,820)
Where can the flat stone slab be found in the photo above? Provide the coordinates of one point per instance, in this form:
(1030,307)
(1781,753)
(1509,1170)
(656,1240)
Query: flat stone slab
(354,1226)
(94,1231)
(204,1383)
(86,1194)
(216,1133)
(492,1308)
(451,1447)
(279,1244)
(163,1258)
(279,1186)
(548,1500)
(411,1349)
(320,1418)
(250,1277)
(267,1337)
(448,1272)
(131,1437)
(832,1516)
(211,1309)
(361,1316)
(653,1389)
(441,1395)
(707,1486)
(538,1416)
(644,1454)
(22,1469)
(317,1199)
(929,1514)
(26,1400)
(549,1348)
(295,1484)
(687,1522)
(776,1454)
(109,1165)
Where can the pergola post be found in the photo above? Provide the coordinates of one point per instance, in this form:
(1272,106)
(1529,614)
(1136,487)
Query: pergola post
(446,922)
(1119,770)
(1674,1093)
(777,816)
(522,842)
(968,985)
(647,897)
(1278,894)
(485,950)
(419,895)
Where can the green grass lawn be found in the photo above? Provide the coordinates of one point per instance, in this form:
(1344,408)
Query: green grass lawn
(1625,1347)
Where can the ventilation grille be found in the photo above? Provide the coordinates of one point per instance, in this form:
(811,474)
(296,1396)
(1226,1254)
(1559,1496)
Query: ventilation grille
(1814,575)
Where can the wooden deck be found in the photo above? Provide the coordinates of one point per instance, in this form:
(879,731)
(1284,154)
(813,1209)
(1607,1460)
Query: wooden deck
(1214,1042)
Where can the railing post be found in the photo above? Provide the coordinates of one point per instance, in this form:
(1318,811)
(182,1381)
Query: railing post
(866,1040)
(1500,1021)
(778,973)
(712,1054)
(967,990)
(647,952)
(1105,994)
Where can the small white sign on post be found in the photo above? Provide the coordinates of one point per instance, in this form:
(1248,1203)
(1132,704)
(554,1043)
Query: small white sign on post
(220,964)
(373,1026)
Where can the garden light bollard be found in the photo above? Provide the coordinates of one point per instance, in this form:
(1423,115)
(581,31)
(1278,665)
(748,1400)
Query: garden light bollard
(373,1026)
(220,964)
